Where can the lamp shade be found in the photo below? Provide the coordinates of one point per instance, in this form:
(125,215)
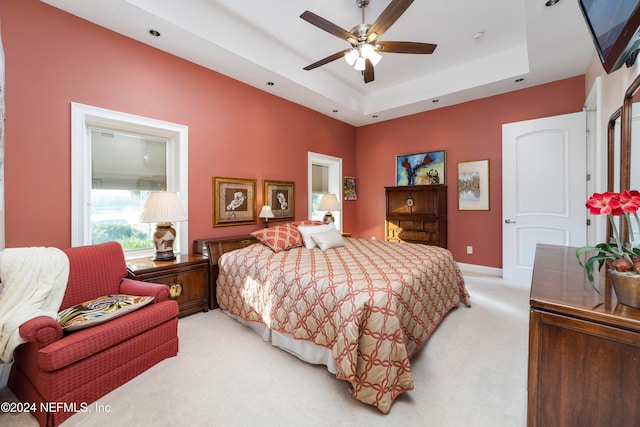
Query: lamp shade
(329,202)
(351,56)
(266,212)
(163,207)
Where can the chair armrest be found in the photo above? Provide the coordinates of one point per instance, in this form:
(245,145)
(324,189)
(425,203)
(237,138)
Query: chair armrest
(136,287)
(42,330)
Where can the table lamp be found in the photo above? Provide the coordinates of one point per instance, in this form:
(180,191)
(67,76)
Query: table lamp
(328,202)
(265,214)
(163,208)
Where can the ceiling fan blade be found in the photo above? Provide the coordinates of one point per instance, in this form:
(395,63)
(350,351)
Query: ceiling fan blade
(326,60)
(405,47)
(387,18)
(368,72)
(327,26)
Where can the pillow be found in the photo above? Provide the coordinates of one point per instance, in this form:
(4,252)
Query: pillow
(307,222)
(279,238)
(328,239)
(99,310)
(307,231)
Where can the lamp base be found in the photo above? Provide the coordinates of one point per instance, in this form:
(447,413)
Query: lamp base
(328,218)
(163,239)
(164,256)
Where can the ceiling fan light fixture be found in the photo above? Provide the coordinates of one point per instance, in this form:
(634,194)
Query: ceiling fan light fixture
(351,56)
(360,64)
(369,53)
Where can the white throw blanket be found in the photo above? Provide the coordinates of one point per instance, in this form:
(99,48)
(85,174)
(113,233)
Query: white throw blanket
(33,284)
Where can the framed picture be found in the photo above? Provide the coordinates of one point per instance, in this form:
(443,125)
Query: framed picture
(280,195)
(350,188)
(421,168)
(234,201)
(473,185)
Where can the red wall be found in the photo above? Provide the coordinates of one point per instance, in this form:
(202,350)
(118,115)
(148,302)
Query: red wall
(469,131)
(53,59)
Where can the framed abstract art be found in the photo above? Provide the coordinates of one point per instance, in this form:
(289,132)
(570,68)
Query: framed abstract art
(421,169)
(473,185)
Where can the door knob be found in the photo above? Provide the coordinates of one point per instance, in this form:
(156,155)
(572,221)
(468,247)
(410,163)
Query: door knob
(508,221)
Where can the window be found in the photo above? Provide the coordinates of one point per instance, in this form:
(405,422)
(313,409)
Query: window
(118,159)
(325,176)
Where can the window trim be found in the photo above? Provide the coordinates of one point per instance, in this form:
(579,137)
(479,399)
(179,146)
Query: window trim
(335,179)
(83,117)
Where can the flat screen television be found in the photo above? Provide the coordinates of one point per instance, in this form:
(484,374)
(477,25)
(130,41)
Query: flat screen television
(614,29)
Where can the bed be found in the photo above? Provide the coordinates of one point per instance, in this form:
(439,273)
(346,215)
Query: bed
(363,308)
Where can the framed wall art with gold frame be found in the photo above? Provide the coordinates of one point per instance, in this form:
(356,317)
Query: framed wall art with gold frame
(280,196)
(234,201)
(473,185)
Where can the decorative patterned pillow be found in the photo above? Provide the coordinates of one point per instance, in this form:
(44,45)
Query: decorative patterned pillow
(99,310)
(280,237)
(307,231)
(328,239)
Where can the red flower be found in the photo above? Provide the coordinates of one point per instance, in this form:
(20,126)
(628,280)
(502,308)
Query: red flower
(629,201)
(606,203)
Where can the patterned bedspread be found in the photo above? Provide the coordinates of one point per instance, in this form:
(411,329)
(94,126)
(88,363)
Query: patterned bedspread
(373,303)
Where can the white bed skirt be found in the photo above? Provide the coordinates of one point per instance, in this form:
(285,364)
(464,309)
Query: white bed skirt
(304,350)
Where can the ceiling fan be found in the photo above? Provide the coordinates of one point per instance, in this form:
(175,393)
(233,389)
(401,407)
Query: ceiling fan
(363,53)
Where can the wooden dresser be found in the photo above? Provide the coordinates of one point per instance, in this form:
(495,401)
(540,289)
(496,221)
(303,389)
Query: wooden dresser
(584,348)
(213,249)
(417,214)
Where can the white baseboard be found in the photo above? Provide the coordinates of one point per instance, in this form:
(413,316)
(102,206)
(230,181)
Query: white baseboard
(481,269)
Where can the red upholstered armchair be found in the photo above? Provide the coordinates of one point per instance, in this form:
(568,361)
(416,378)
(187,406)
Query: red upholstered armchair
(79,367)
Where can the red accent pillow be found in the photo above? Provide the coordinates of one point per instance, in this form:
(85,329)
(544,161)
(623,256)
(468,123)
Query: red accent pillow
(280,237)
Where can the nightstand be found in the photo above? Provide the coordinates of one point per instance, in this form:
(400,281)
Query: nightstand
(187,277)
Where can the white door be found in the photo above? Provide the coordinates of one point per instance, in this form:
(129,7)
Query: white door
(543,189)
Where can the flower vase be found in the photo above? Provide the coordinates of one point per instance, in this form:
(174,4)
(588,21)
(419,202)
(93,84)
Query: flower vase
(626,286)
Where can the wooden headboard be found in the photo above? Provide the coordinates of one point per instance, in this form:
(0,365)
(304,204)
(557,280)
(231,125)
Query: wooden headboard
(213,249)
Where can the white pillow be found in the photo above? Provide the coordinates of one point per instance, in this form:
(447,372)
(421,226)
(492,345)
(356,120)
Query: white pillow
(308,230)
(328,239)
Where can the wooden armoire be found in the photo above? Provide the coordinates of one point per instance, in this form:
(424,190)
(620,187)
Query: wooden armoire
(417,214)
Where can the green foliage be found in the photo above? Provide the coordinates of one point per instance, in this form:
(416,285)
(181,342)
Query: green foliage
(123,233)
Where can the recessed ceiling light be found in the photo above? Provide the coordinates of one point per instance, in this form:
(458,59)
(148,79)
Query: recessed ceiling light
(375,116)
(335,111)
(478,35)
(435,100)
(518,80)
(154,33)
(551,2)
(270,83)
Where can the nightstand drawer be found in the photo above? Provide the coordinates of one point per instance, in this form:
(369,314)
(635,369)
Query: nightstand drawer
(186,276)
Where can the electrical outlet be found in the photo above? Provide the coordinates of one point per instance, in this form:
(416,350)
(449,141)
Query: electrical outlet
(469,250)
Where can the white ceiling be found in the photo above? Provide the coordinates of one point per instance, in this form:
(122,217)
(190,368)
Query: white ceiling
(259,41)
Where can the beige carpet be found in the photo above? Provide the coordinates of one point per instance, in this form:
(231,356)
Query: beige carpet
(472,372)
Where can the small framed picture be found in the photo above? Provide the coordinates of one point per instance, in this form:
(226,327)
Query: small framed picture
(421,169)
(473,185)
(234,201)
(280,195)
(350,188)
